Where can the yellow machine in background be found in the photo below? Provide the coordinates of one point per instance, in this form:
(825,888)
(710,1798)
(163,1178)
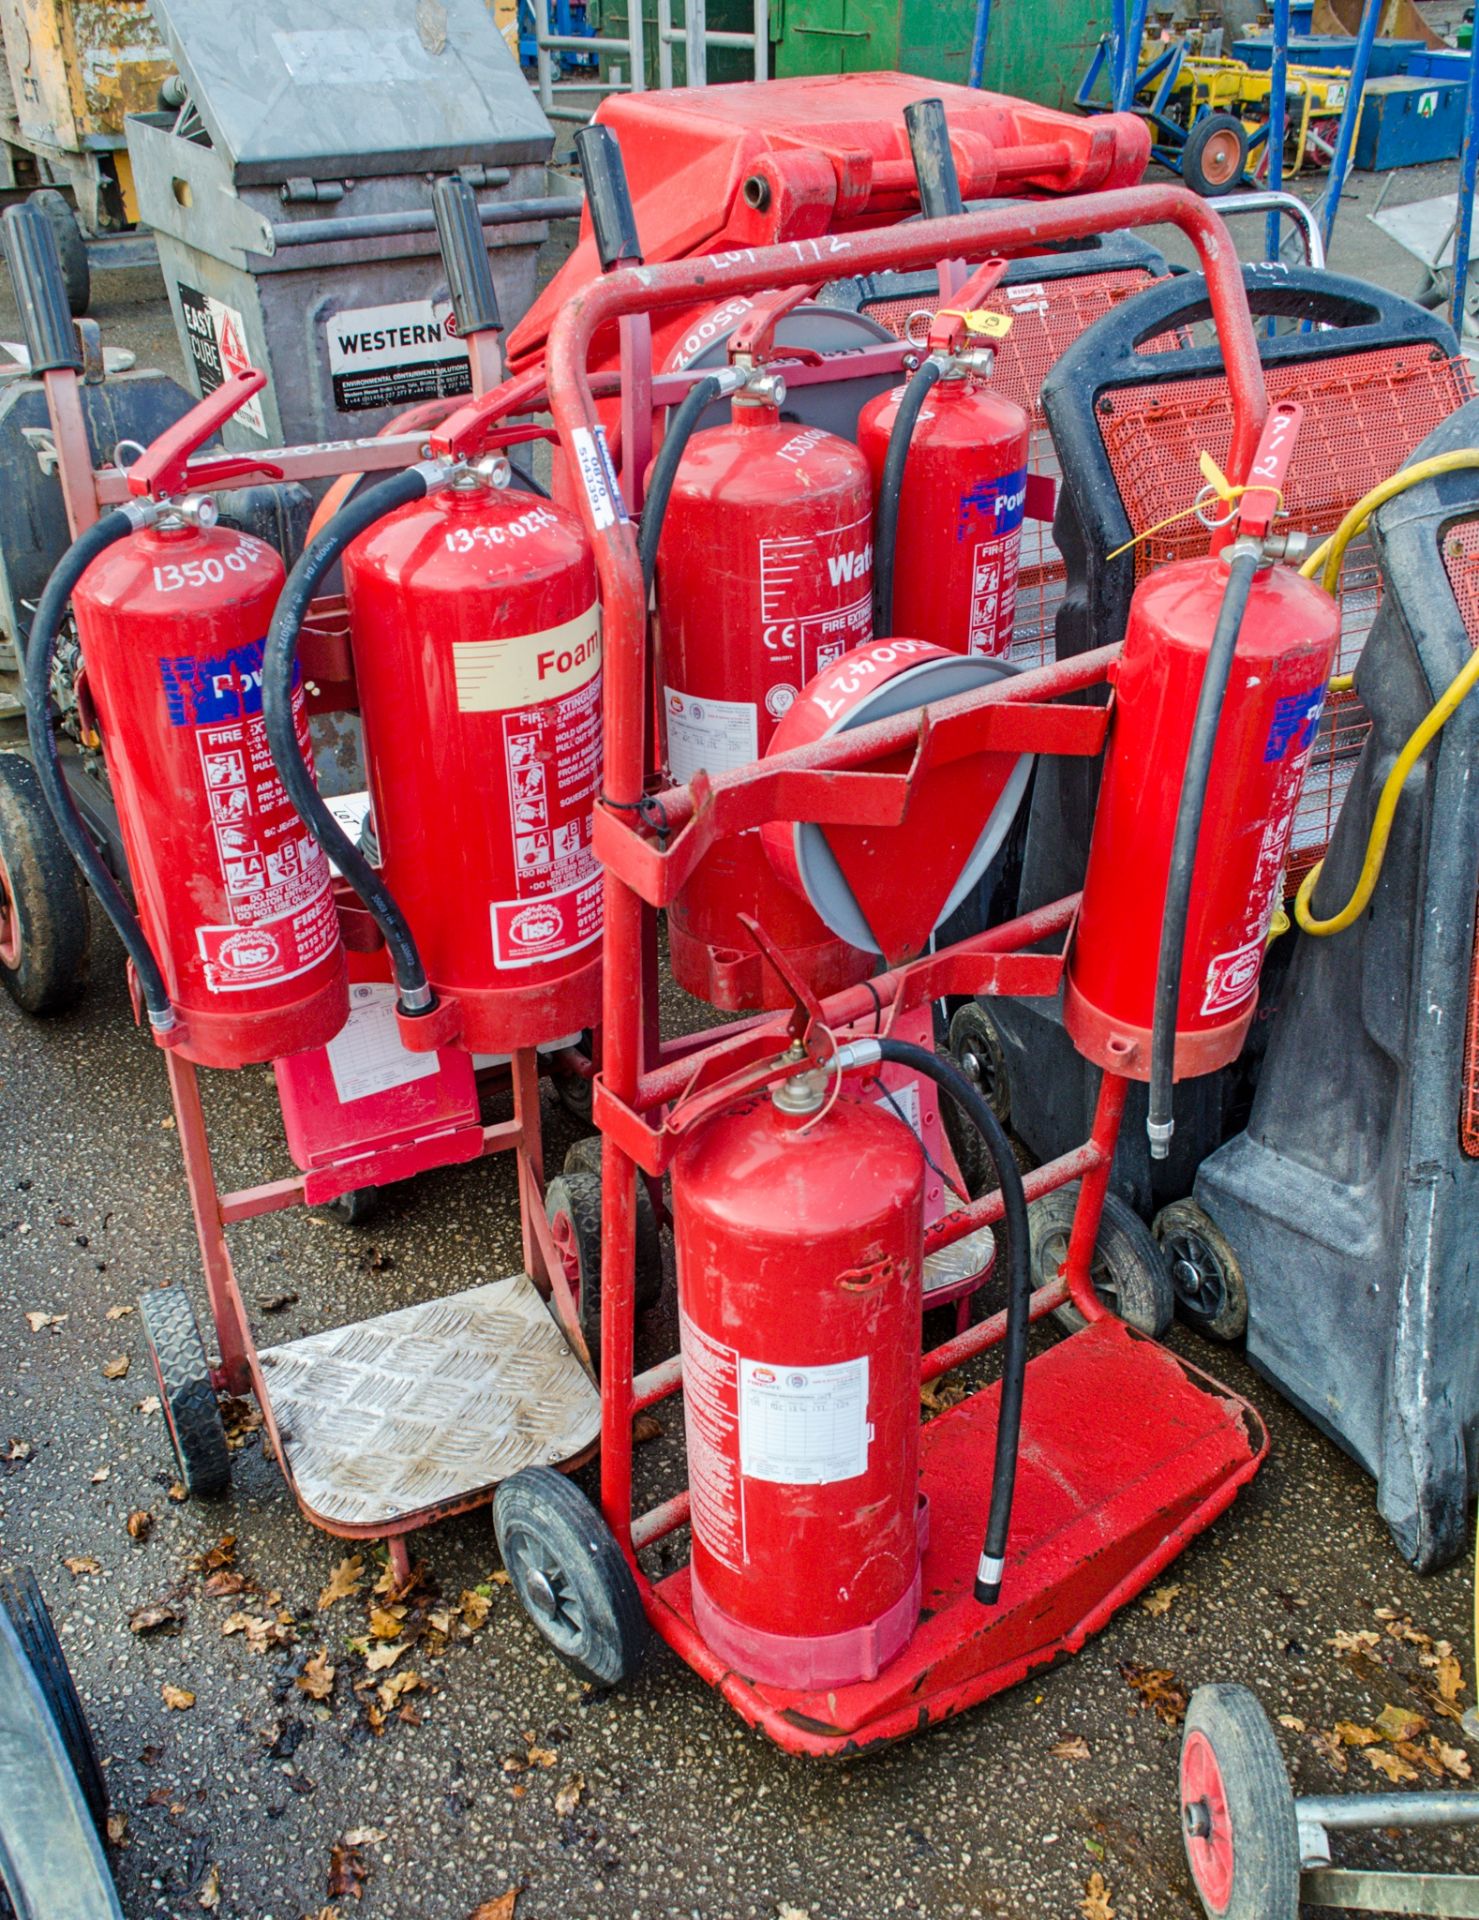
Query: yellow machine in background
(72,70)
(1316,100)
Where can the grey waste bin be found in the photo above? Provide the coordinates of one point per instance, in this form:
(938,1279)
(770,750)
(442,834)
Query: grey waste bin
(290,194)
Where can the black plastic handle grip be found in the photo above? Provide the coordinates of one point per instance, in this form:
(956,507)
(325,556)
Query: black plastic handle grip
(608,196)
(465,256)
(40,291)
(934,163)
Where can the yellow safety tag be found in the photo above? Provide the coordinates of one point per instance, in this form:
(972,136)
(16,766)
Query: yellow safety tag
(1217,480)
(995,326)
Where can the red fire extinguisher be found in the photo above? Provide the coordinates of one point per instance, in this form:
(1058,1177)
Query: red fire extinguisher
(238,954)
(949,461)
(764,576)
(1218,694)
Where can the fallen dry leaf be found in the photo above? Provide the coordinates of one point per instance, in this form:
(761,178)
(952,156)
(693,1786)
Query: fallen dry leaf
(260,1632)
(276,1302)
(568,1797)
(39,1322)
(178,1491)
(1160,1600)
(1351,1733)
(1095,1903)
(1329,1747)
(81,1563)
(348,1873)
(1392,1765)
(1452,1759)
(1400,1723)
(226,1582)
(317,1677)
(19,1450)
(646,1427)
(179,1698)
(346,1579)
(1292,1721)
(364,1836)
(391,1690)
(500,1909)
(1359,1642)
(383,1655)
(209,1895)
(1159,1690)
(1450,1677)
(1073,1748)
(140,1524)
(545,1757)
(220,1555)
(118,1313)
(151,1618)
(474,1608)
(387,1623)
(117,1829)
(116,1367)
(148,1406)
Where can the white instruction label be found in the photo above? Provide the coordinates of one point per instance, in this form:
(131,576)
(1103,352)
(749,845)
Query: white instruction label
(366,1055)
(714,735)
(803,1426)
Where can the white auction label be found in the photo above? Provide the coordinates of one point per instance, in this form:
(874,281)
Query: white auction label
(803,1426)
(366,1055)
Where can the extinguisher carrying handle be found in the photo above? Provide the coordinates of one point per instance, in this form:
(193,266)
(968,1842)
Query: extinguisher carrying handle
(465,256)
(279,661)
(953,1083)
(934,163)
(959,324)
(163,469)
(46,627)
(755,334)
(613,218)
(52,345)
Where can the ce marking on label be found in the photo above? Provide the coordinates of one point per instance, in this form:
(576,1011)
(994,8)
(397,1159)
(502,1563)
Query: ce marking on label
(780,637)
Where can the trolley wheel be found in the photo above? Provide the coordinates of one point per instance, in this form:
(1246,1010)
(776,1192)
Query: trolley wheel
(1211,1294)
(352,1209)
(27,1612)
(1128,1272)
(583,1161)
(575,1095)
(190,1411)
(975,1046)
(43,899)
(1238,1821)
(1215,154)
(570,1575)
(70,245)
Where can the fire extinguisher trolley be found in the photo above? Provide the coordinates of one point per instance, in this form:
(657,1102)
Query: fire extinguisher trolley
(1126,1452)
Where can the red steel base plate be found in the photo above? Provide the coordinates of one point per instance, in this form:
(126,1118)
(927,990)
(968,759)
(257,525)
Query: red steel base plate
(1127,1453)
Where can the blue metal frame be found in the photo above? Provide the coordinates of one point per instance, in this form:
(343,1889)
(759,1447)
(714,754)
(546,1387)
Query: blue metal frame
(1468,172)
(978,41)
(1345,142)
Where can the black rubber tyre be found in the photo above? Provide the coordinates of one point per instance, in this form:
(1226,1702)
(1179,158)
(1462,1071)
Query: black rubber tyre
(1215,156)
(570,1576)
(1238,1822)
(1211,1294)
(354,1208)
(43,900)
(71,246)
(27,1612)
(1129,1274)
(584,1159)
(575,1095)
(976,1048)
(190,1409)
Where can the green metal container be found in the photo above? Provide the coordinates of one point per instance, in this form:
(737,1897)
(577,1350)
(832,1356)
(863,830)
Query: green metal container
(1036,50)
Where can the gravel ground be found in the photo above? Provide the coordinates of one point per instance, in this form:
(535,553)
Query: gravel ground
(498,1771)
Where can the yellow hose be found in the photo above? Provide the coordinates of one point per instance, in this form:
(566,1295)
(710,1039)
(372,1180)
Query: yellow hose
(1327,560)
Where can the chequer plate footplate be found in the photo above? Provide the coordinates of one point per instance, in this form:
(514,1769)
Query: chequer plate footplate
(429,1405)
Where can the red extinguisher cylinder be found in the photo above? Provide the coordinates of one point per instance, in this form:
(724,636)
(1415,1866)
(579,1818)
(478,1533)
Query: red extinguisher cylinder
(764,577)
(959,534)
(233,892)
(475,629)
(800,1253)
(1267,728)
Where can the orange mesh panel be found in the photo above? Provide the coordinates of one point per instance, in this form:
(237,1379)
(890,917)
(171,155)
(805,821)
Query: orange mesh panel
(1364,414)
(1047,317)
(1461,560)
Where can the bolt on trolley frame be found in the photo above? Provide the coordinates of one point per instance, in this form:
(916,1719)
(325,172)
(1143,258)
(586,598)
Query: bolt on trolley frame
(1127,1452)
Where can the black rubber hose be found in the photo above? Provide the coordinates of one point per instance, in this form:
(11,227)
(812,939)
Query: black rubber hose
(1177,910)
(890,488)
(278,662)
(665,470)
(46,627)
(950,1080)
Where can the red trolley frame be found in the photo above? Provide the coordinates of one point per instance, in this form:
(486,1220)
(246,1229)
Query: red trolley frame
(1127,1452)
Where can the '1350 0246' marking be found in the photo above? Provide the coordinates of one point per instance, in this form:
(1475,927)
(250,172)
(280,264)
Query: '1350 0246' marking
(199,573)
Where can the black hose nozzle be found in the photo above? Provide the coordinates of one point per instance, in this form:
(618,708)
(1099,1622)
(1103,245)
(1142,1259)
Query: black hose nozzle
(950,1080)
(278,663)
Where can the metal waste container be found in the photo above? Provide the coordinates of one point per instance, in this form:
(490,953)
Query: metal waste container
(290,195)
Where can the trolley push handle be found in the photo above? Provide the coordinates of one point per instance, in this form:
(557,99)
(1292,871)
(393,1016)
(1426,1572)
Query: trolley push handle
(40,292)
(934,162)
(613,218)
(164,468)
(465,256)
